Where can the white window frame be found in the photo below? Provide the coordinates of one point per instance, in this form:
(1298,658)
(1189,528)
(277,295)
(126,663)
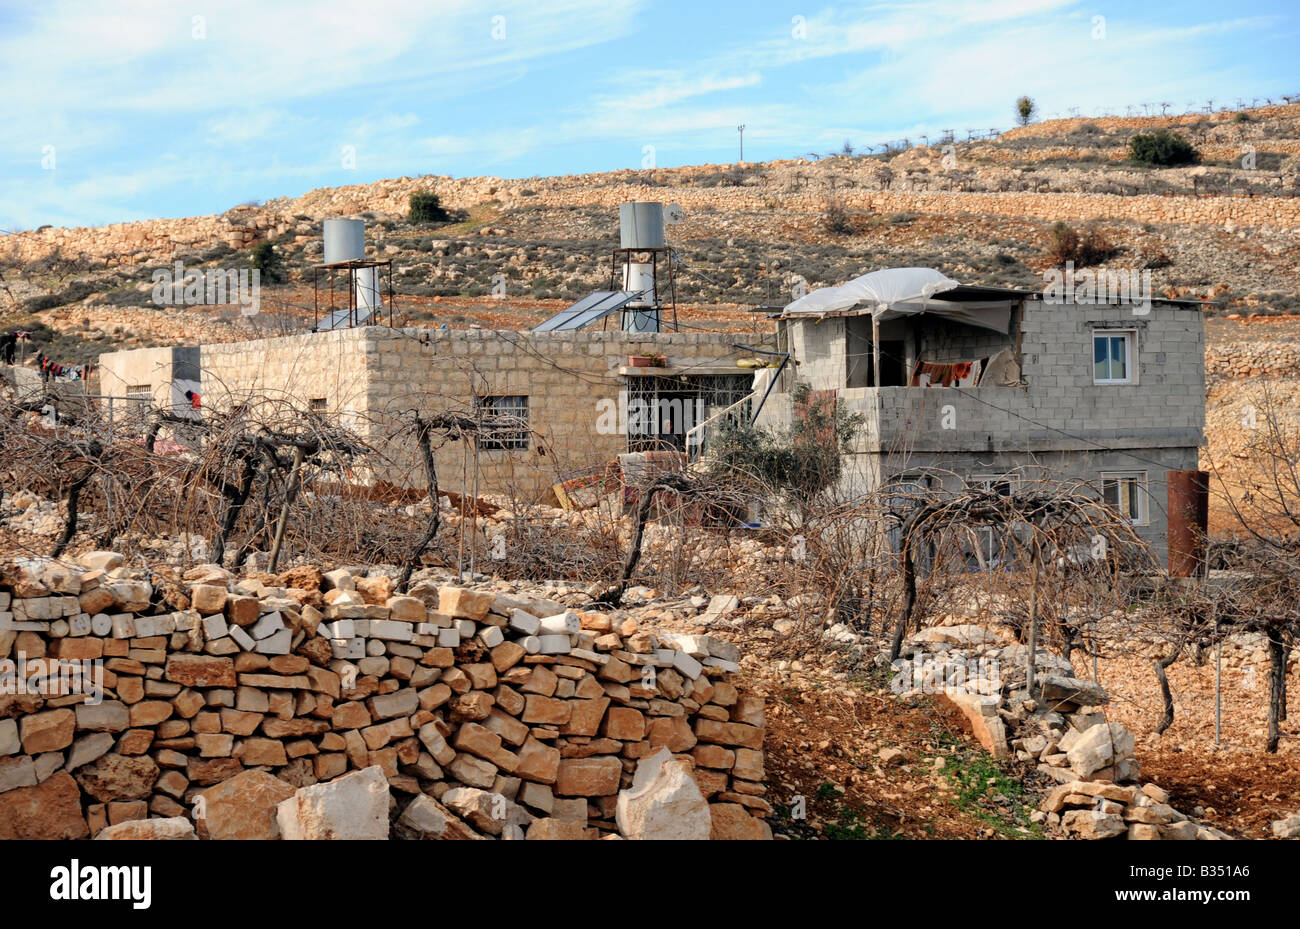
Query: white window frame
(986,534)
(1130,355)
(1140,493)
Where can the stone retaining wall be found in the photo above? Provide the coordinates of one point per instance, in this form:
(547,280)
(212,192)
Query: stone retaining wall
(1237,360)
(227,703)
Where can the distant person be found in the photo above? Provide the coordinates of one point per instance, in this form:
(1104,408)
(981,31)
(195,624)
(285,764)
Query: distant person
(8,345)
(193,397)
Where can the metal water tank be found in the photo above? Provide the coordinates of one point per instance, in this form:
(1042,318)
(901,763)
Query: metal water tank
(641,225)
(368,297)
(639,275)
(345,240)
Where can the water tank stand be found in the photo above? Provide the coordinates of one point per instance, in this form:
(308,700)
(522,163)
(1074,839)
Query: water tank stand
(622,257)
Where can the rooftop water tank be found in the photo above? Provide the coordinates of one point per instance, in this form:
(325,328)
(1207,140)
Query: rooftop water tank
(345,240)
(641,225)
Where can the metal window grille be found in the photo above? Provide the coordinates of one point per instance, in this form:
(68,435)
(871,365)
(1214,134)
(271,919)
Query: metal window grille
(505,422)
(661,410)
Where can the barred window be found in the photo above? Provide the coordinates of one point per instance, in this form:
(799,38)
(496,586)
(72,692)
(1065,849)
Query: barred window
(505,422)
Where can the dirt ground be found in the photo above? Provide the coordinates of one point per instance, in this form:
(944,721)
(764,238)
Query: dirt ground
(1241,788)
(825,746)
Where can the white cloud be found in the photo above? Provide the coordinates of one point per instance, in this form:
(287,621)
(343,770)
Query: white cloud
(140,55)
(274,92)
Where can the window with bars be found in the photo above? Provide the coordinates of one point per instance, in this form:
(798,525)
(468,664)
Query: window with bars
(662,410)
(318,405)
(505,422)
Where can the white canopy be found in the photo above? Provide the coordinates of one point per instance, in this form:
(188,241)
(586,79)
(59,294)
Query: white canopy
(896,292)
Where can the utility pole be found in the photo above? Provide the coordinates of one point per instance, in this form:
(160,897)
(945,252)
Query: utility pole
(741,130)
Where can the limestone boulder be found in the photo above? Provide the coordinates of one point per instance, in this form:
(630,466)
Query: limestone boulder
(351,807)
(733,823)
(49,810)
(554,830)
(1093,824)
(1059,689)
(172,827)
(663,802)
(244,807)
(486,811)
(119,777)
(1288,828)
(426,818)
(1092,751)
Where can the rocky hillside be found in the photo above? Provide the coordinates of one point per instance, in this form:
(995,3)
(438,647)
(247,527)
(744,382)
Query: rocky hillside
(1226,229)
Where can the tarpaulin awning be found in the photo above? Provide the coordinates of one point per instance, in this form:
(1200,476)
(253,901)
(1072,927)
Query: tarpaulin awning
(897,292)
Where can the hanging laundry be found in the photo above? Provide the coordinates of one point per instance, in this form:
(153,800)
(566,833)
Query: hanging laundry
(946,374)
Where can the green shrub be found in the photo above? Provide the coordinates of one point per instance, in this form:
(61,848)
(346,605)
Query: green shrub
(426,207)
(1025,109)
(1162,148)
(1094,247)
(267,261)
(1064,243)
(836,219)
(800,462)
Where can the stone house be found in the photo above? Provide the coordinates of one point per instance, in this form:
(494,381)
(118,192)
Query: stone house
(135,381)
(557,405)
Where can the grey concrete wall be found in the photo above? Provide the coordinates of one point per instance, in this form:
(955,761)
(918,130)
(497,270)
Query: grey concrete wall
(1059,408)
(1060,424)
(818,349)
(952,471)
(942,341)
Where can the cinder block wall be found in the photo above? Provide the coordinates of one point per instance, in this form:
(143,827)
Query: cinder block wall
(1059,409)
(819,349)
(1061,423)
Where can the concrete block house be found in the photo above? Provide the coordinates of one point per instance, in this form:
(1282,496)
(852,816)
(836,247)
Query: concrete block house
(991,386)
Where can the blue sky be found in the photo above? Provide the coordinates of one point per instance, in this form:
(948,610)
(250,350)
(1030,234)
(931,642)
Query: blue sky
(134,109)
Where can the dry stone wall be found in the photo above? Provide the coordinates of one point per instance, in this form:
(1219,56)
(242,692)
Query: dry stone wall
(795,184)
(1237,360)
(313,705)
(1061,730)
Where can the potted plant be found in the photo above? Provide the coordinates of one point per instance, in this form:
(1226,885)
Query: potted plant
(647,361)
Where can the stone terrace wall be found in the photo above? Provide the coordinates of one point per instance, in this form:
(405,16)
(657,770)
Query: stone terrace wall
(477,713)
(1252,359)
